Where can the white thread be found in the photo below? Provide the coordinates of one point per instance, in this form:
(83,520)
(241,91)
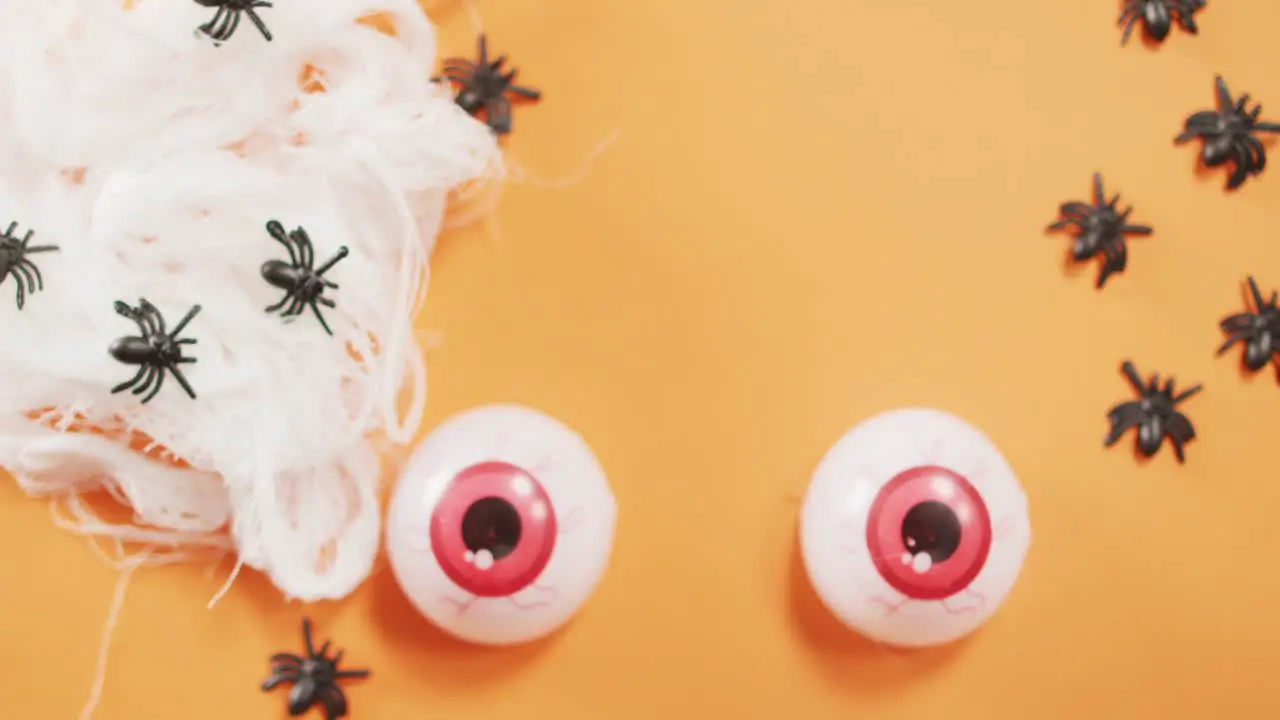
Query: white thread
(153,161)
(108,630)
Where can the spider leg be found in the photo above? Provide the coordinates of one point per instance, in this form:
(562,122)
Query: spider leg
(1187,394)
(9,231)
(208,28)
(1187,21)
(1234,338)
(1221,92)
(295,308)
(1131,374)
(130,383)
(286,658)
(342,253)
(1266,127)
(461,79)
(307,643)
(306,250)
(328,284)
(22,273)
(1097,190)
(40,249)
(149,314)
(1114,259)
(177,329)
(1075,209)
(147,380)
(232,23)
(1189,134)
(1255,293)
(182,379)
(257,21)
(1134,17)
(1177,446)
(220,32)
(1237,323)
(334,702)
(525,92)
(326,302)
(482,50)
(123,310)
(497,113)
(458,64)
(277,679)
(1121,418)
(1259,153)
(276,230)
(316,309)
(1137,229)
(1205,119)
(22,293)
(287,297)
(1240,172)
(324,648)
(1062,224)
(351,674)
(159,376)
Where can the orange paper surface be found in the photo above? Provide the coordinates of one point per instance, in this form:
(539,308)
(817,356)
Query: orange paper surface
(815,211)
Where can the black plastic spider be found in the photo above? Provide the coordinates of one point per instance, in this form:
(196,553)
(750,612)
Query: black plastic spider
(156,350)
(314,678)
(1228,135)
(304,285)
(224,22)
(13,261)
(1157,16)
(1101,228)
(1258,330)
(484,87)
(1155,414)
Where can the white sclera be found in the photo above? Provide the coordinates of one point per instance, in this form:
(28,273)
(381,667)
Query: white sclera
(835,542)
(581,503)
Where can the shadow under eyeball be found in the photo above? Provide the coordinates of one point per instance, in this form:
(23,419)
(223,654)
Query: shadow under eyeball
(850,660)
(450,664)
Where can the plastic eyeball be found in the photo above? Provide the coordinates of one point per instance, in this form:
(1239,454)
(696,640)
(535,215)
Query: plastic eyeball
(501,525)
(914,528)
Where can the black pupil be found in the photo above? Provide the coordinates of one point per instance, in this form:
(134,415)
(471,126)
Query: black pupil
(491,524)
(931,527)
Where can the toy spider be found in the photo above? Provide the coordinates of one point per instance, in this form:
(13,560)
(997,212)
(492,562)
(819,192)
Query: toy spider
(224,22)
(1100,229)
(1228,134)
(484,87)
(156,350)
(1157,16)
(303,284)
(314,678)
(1155,415)
(1258,330)
(13,261)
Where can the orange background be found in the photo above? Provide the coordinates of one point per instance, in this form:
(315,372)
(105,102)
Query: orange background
(816,211)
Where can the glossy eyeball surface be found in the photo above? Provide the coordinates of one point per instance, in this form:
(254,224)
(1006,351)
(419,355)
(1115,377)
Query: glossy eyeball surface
(501,525)
(914,528)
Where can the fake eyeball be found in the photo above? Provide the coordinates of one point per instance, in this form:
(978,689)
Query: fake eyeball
(914,528)
(501,525)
